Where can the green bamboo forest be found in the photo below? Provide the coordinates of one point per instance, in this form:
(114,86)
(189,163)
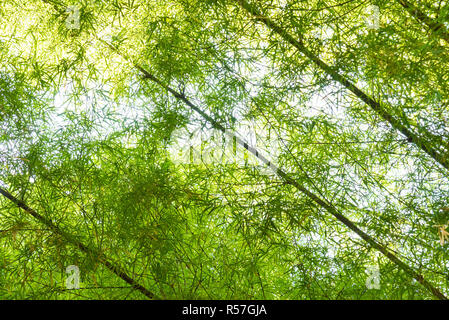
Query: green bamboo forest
(224,149)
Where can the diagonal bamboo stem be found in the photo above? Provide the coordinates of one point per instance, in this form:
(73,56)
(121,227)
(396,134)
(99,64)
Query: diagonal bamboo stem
(419,141)
(89,251)
(437,28)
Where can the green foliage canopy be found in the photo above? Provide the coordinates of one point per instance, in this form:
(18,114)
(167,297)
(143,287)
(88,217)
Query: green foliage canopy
(86,142)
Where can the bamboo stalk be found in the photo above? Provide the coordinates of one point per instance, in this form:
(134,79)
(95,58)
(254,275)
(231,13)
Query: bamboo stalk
(91,252)
(419,141)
